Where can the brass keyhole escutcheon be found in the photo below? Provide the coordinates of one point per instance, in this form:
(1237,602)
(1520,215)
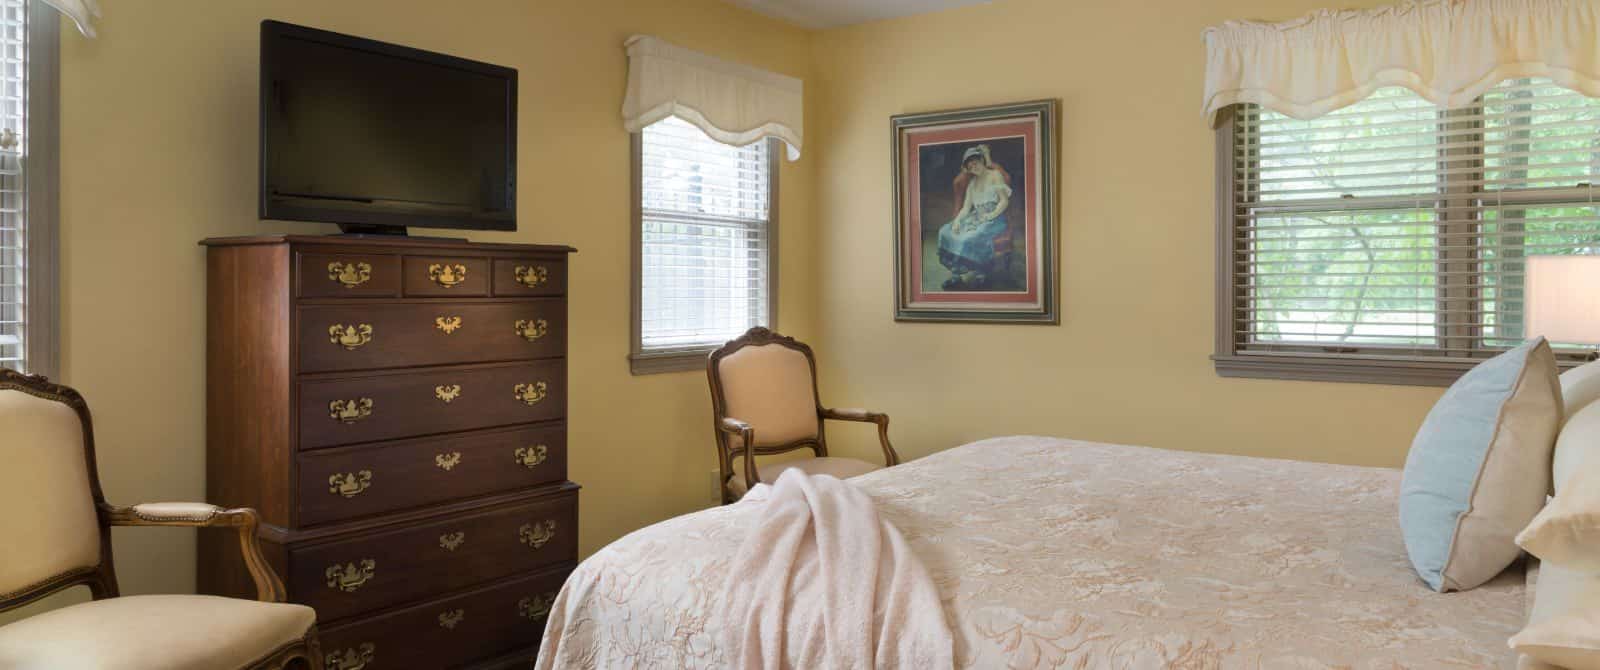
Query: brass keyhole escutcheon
(350,275)
(447,324)
(449,620)
(447,275)
(447,462)
(350,337)
(447,393)
(452,541)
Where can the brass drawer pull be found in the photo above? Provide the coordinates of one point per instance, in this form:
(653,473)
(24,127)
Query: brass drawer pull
(350,275)
(532,330)
(537,607)
(350,411)
(448,325)
(447,275)
(350,337)
(452,541)
(531,277)
(530,393)
(449,620)
(351,576)
(531,457)
(447,393)
(350,484)
(350,659)
(447,462)
(537,534)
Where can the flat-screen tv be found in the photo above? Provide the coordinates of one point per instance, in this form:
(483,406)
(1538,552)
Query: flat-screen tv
(376,137)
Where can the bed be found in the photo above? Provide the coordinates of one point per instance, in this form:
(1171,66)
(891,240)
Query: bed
(1052,553)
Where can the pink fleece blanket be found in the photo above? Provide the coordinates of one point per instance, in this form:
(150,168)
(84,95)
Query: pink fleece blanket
(822,581)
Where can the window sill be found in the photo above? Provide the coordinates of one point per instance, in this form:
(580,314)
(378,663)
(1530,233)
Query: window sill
(1357,370)
(668,361)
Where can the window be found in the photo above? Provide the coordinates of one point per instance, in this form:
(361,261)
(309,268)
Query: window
(1386,241)
(27,186)
(704,244)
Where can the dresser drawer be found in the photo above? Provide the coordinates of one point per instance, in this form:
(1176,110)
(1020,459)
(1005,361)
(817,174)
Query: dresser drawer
(348,482)
(366,336)
(349,276)
(450,631)
(530,276)
(392,406)
(367,572)
(445,276)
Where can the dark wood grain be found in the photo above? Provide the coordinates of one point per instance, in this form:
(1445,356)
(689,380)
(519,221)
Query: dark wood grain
(421,560)
(408,405)
(548,274)
(413,473)
(417,282)
(429,333)
(484,622)
(272,370)
(315,280)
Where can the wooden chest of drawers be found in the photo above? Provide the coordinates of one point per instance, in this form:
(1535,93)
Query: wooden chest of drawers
(396,411)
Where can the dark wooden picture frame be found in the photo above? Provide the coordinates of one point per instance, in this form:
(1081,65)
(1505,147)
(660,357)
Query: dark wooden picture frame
(975,221)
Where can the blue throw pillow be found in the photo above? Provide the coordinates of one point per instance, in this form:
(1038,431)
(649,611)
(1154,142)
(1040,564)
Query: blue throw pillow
(1479,468)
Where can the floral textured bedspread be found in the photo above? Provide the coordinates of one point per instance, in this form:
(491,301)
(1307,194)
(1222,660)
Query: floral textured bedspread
(1054,553)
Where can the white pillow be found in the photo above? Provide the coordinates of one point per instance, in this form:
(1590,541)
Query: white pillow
(1580,386)
(1567,531)
(1564,630)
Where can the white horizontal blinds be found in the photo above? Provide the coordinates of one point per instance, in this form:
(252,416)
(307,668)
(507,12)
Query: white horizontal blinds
(704,258)
(1392,227)
(13,219)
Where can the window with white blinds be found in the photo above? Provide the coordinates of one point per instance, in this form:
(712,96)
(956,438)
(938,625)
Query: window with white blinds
(704,239)
(1396,230)
(13,184)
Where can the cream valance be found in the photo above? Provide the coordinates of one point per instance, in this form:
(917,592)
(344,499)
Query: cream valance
(733,103)
(82,13)
(1448,51)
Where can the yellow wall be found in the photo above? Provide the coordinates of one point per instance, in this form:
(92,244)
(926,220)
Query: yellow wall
(1128,363)
(159,150)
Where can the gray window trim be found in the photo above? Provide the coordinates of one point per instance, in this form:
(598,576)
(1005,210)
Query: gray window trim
(641,362)
(1311,364)
(43,173)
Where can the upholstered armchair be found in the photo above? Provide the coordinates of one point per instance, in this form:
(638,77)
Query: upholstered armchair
(57,534)
(764,401)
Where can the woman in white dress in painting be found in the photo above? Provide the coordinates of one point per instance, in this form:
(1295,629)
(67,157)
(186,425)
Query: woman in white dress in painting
(966,243)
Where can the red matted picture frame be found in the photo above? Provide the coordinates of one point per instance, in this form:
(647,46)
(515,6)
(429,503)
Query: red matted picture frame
(975,215)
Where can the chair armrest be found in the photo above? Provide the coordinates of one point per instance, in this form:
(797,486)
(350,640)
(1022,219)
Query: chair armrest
(860,415)
(891,458)
(729,424)
(747,434)
(201,515)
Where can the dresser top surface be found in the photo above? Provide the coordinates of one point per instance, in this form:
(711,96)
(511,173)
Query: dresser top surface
(397,242)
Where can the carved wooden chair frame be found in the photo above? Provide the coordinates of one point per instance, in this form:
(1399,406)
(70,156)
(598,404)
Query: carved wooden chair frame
(102,579)
(725,427)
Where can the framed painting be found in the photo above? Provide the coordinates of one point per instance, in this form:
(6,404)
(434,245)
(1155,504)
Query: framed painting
(975,222)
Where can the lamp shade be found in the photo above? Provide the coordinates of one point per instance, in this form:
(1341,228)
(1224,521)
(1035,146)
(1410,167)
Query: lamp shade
(1563,298)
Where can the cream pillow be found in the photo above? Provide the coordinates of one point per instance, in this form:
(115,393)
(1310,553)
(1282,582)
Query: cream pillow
(1564,630)
(1580,386)
(1567,531)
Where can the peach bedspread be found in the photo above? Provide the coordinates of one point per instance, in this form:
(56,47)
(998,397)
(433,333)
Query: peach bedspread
(1052,553)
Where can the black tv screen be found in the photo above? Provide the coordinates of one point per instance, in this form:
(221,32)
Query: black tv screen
(375,136)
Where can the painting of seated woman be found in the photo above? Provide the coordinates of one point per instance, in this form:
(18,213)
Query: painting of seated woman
(974,223)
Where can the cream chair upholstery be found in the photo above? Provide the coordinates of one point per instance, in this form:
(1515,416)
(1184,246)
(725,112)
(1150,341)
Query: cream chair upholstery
(764,395)
(61,538)
(46,478)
